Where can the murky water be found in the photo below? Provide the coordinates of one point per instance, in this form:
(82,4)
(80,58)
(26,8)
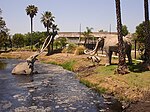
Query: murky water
(2,65)
(53,89)
(9,85)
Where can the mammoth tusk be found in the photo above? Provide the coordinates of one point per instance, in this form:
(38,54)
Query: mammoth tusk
(38,53)
(90,52)
(43,48)
(44,42)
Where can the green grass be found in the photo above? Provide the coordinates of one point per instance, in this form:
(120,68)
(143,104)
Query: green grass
(93,86)
(136,78)
(136,67)
(69,65)
(139,80)
(54,63)
(109,70)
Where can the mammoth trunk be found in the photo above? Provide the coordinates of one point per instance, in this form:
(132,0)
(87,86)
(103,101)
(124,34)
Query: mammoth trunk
(95,49)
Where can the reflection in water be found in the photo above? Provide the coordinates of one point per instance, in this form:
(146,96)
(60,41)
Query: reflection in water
(2,65)
(11,92)
(6,66)
(24,78)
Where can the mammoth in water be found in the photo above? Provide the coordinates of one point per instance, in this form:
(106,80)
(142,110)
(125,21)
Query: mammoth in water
(110,45)
(27,68)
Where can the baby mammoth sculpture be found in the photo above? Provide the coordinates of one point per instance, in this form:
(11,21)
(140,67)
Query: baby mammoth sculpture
(94,59)
(27,68)
(110,45)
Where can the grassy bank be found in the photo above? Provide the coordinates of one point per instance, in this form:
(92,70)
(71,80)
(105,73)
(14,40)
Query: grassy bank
(130,87)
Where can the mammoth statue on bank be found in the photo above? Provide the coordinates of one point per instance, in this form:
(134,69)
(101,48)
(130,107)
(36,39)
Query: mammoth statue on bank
(27,68)
(110,45)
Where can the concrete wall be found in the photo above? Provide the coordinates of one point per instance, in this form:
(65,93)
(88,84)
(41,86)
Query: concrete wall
(73,37)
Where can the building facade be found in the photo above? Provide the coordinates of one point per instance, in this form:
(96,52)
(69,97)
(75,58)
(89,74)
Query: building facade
(78,38)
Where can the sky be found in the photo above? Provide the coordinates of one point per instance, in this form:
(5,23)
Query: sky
(71,14)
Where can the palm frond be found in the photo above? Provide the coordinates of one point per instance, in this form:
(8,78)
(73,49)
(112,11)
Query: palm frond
(31,10)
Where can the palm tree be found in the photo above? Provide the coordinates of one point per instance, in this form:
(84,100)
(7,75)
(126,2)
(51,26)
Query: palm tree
(31,10)
(47,19)
(87,34)
(147,42)
(54,33)
(122,67)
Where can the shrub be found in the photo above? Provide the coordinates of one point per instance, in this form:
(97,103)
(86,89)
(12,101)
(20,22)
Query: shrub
(79,50)
(70,48)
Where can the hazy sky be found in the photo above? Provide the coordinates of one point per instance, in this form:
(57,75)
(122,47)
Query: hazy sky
(69,14)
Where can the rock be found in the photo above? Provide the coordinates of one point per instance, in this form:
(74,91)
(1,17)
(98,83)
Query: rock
(21,109)
(48,109)
(6,104)
(56,106)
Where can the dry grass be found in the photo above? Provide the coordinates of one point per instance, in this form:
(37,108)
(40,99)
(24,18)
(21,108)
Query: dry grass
(17,54)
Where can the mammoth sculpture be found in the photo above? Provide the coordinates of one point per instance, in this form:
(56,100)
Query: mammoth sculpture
(27,68)
(110,45)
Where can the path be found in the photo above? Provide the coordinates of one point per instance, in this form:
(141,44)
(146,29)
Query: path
(53,89)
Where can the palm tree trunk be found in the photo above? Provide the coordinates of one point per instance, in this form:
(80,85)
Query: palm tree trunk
(147,42)
(52,44)
(85,42)
(31,32)
(122,67)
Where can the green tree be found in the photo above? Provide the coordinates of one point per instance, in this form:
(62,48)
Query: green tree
(3,32)
(18,40)
(122,67)
(38,38)
(140,31)
(141,37)
(48,21)
(124,30)
(27,39)
(60,42)
(3,28)
(4,40)
(31,10)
